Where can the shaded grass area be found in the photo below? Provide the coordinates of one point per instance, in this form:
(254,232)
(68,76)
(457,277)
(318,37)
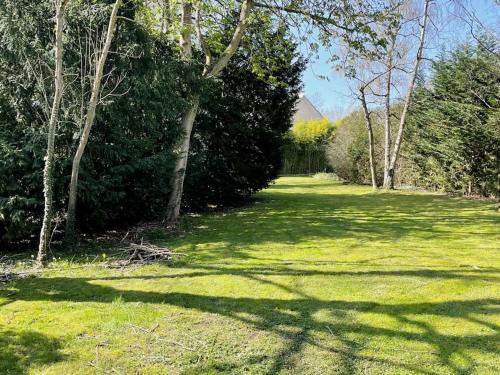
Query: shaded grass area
(315,277)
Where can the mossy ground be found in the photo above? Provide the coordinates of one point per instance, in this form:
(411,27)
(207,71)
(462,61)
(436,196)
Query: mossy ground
(314,278)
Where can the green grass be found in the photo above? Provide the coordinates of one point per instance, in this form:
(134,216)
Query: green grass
(314,278)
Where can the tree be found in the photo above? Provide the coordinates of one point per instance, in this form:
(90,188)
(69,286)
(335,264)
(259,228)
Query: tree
(349,21)
(389,67)
(238,133)
(129,154)
(371,141)
(211,69)
(454,136)
(374,73)
(89,122)
(346,152)
(311,130)
(118,158)
(48,179)
(389,181)
(304,150)
(363,70)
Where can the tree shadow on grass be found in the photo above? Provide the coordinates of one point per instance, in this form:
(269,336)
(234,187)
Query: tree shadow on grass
(294,321)
(400,220)
(302,186)
(19,351)
(483,274)
(290,218)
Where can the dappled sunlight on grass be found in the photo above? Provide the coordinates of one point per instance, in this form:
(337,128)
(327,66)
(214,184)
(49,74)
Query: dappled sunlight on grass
(316,277)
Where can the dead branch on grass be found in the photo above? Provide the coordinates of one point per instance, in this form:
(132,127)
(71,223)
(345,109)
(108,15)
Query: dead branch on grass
(145,253)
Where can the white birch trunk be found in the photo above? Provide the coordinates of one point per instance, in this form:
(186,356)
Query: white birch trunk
(89,122)
(387,122)
(48,172)
(411,85)
(174,204)
(371,142)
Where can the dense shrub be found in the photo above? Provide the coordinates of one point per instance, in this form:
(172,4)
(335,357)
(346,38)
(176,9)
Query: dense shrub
(305,146)
(454,127)
(238,135)
(129,156)
(126,170)
(347,153)
(452,139)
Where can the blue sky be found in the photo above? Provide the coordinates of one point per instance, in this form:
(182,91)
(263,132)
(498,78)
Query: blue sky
(332,96)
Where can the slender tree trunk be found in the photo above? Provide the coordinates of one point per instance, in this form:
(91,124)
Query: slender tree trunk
(185,41)
(89,121)
(387,122)
(210,71)
(48,172)
(371,142)
(177,183)
(411,85)
(174,204)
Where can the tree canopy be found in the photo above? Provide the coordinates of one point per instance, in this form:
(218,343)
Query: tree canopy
(455,123)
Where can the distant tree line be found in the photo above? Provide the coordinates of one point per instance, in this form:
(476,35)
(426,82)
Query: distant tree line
(304,147)
(452,142)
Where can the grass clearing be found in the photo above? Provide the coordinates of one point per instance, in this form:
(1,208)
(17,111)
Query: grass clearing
(315,278)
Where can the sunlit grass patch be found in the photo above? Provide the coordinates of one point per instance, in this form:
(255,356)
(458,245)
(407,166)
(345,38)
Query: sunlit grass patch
(318,277)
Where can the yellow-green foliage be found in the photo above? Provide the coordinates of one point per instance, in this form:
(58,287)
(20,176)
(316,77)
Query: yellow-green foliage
(337,123)
(312,130)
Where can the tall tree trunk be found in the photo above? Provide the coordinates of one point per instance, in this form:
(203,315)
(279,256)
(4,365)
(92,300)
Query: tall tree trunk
(371,142)
(174,204)
(89,121)
(411,85)
(210,71)
(387,122)
(48,171)
(185,41)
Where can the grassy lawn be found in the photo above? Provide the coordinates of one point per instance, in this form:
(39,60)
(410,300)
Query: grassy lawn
(314,278)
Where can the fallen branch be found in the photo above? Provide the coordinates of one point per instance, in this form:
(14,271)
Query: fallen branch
(132,254)
(7,277)
(146,253)
(8,272)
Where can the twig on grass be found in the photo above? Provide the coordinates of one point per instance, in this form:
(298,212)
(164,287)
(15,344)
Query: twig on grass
(146,330)
(133,254)
(177,343)
(145,253)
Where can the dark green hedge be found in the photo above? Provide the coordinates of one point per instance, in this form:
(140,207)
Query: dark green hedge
(126,170)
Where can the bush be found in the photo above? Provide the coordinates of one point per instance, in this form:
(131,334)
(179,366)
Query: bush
(126,169)
(128,161)
(238,134)
(304,148)
(347,154)
(454,137)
